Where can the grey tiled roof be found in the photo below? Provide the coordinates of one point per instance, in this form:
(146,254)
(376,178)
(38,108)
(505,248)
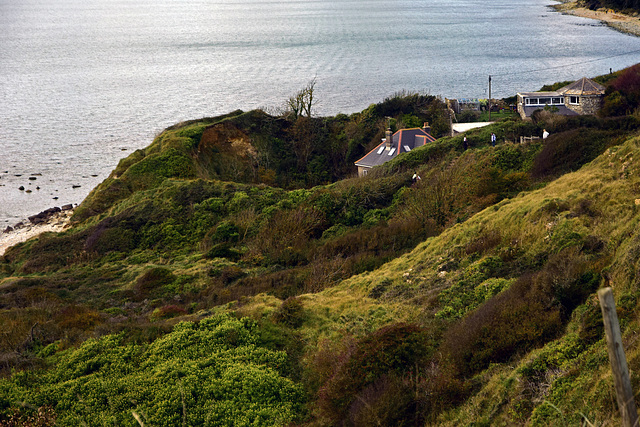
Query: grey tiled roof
(403,141)
(584,86)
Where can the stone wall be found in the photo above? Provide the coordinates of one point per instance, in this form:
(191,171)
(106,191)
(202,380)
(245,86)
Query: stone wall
(587,104)
(520,107)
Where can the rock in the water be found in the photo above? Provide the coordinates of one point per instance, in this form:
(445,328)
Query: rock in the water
(9,229)
(67,207)
(21,188)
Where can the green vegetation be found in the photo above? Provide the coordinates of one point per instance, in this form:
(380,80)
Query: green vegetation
(234,273)
(501,114)
(214,372)
(627,6)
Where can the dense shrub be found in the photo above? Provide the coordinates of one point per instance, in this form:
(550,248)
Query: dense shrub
(290,313)
(391,351)
(223,250)
(149,172)
(50,252)
(152,280)
(568,151)
(226,231)
(168,311)
(231,273)
(80,317)
(496,331)
(481,281)
(497,184)
(211,373)
(285,238)
(112,234)
(626,92)
(387,401)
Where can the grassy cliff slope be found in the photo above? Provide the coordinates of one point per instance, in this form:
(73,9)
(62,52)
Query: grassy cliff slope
(204,282)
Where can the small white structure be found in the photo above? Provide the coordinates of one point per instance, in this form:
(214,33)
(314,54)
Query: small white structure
(457,128)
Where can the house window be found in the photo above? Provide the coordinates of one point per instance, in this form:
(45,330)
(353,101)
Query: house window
(381,149)
(544,101)
(407,148)
(393,150)
(575,100)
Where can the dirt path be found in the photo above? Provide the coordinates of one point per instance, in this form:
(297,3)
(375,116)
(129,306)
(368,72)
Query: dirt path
(624,23)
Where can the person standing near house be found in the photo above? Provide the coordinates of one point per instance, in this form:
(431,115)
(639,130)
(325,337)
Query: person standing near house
(493,139)
(465,144)
(545,134)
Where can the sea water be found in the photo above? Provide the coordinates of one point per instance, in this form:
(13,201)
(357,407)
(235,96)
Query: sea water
(83,83)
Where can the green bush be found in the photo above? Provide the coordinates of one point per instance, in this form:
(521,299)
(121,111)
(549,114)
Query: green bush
(223,250)
(290,313)
(226,231)
(152,280)
(213,204)
(211,373)
(154,168)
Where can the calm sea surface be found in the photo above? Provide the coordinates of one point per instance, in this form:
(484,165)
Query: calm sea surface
(83,82)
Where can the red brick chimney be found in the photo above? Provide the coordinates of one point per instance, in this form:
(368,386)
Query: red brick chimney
(426,128)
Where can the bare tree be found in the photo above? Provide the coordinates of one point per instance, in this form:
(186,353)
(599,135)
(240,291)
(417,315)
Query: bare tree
(302,102)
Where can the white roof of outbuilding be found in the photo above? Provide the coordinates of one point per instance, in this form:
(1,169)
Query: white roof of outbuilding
(463,127)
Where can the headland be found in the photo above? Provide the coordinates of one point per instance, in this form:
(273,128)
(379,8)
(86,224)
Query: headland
(624,23)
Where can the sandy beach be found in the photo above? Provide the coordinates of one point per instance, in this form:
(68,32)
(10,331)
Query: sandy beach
(20,233)
(623,23)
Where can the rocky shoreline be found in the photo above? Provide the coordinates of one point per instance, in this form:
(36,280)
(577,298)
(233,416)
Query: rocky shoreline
(54,219)
(618,21)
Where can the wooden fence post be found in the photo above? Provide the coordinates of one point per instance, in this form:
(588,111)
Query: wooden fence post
(621,380)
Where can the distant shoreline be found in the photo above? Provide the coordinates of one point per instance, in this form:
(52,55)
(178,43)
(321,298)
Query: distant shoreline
(618,21)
